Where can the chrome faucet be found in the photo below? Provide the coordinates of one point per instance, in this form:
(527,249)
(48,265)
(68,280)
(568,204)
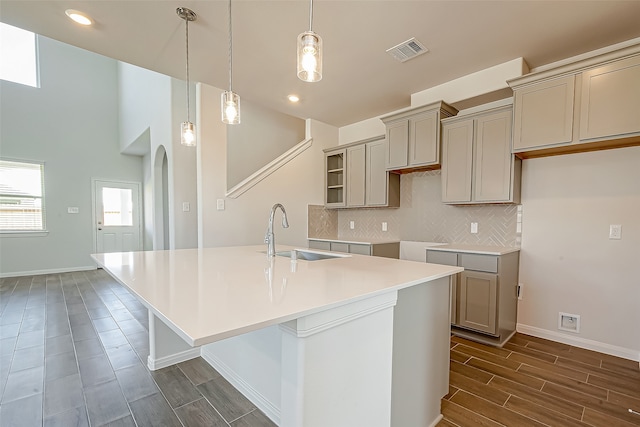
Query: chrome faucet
(269,237)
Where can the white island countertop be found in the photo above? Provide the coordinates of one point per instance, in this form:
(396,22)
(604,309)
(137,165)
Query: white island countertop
(205,295)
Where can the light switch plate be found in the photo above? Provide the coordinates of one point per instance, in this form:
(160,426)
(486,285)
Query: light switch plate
(220,204)
(615,231)
(352,225)
(186,207)
(384,226)
(474,227)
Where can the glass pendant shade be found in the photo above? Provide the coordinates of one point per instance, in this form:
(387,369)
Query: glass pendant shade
(188,134)
(309,57)
(230,106)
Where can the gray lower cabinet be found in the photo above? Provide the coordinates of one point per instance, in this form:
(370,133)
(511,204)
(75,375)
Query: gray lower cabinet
(387,250)
(484,295)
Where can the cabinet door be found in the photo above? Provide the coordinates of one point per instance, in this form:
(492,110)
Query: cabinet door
(376,174)
(397,144)
(339,247)
(448,258)
(319,244)
(424,139)
(543,114)
(457,157)
(478,307)
(359,249)
(492,158)
(355,175)
(610,103)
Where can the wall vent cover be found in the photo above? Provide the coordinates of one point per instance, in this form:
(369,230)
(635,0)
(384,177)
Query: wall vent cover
(407,50)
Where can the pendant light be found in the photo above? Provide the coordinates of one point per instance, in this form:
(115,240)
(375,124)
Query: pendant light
(230,101)
(187,129)
(310,53)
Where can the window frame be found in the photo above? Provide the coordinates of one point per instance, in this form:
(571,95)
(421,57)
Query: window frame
(29,232)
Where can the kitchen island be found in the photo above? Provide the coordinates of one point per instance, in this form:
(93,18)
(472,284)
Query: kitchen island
(346,341)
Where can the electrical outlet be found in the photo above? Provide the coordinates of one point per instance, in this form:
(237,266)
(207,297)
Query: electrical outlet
(220,204)
(474,227)
(615,231)
(73,210)
(384,226)
(186,206)
(352,225)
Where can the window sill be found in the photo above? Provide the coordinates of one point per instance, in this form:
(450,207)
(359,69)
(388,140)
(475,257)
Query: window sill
(24,233)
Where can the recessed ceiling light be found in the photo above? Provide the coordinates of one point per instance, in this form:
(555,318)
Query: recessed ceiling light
(293,98)
(79,17)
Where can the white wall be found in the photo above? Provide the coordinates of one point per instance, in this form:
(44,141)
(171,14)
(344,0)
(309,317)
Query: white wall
(262,136)
(71,124)
(151,108)
(568,263)
(244,220)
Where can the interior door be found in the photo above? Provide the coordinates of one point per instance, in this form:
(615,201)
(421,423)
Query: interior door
(117,216)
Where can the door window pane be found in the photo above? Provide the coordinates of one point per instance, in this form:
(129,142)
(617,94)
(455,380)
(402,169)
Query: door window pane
(117,206)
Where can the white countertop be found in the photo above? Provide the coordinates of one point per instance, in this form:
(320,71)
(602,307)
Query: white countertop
(474,249)
(206,295)
(368,241)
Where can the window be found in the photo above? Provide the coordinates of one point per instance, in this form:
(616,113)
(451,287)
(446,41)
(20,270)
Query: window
(21,196)
(18,58)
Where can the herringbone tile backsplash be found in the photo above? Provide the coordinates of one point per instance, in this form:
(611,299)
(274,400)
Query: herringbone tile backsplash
(422,217)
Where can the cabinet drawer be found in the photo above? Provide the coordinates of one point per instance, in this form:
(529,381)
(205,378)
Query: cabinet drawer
(340,247)
(445,258)
(319,244)
(360,249)
(487,263)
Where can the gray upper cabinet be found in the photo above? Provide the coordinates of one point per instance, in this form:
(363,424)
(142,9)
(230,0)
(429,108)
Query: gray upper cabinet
(377,177)
(413,136)
(610,105)
(586,105)
(334,163)
(477,163)
(366,182)
(544,114)
(356,160)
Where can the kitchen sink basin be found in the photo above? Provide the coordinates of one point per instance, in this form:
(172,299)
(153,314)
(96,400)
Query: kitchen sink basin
(310,255)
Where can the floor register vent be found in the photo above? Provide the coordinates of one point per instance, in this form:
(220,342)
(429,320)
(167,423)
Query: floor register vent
(407,50)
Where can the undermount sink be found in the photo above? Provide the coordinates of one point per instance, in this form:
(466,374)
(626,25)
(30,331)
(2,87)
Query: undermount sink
(310,255)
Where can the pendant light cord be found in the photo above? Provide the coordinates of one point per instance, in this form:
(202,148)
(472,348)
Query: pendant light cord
(230,52)
(187,37)
(311,16)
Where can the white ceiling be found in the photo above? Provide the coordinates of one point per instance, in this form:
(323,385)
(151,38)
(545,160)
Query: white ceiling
(360,79)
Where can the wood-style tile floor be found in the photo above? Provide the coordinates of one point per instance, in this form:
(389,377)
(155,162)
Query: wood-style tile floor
(536,382)
(73,351)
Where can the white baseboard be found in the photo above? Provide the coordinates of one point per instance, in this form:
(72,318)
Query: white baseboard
(48,271)
(437,420)
(163,362)
(575,341)
(261,402)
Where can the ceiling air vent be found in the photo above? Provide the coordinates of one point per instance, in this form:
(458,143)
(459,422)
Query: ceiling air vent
(407,50)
